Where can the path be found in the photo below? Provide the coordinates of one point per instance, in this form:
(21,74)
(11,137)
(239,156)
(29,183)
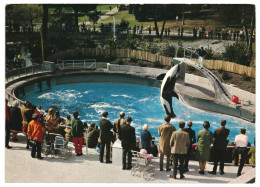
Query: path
(20,167)
(105,16)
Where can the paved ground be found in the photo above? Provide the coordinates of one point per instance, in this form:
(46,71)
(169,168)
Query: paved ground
(21,168)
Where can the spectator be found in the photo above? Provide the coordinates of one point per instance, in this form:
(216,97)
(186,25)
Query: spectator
(241,142)
(169,32)
(179,30)
(16,119)
(251,155)
(146,139)
(202,53)
(28,112)
(35,134)
(105,137)
(7,125)
(68,120)
(192,141)
(165,131)
(194,32)
(219,147)
(93,135)
(77,130)
(141,30)
(52,121)
(154,149)
(179,142)
(119,122)
(128,141)
(37,112)
(68,132)
(150,30)
(204,138)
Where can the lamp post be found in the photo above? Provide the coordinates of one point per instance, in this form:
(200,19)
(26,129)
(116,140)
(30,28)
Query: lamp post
(42,45)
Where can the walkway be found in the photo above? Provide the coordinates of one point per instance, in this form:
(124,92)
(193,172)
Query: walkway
(21,168)
(105,16)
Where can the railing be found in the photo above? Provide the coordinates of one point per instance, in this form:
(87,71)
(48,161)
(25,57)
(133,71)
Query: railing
(77,64)
(31,70)
(12,98)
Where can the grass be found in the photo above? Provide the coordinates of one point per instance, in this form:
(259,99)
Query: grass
(101,7)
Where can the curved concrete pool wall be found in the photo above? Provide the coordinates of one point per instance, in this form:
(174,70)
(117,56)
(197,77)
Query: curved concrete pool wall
(136,75)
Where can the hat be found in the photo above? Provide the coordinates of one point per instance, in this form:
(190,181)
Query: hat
(129,118)
(35,116)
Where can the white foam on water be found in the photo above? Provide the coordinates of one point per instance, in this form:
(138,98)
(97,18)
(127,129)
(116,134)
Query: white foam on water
(151,120)
(101,105)
(125,96)
(86,92)
(143,100)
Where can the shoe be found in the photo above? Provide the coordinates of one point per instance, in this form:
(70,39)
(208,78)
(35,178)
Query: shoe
(212,172)
(80,154)
(8,147)
(161,169)
(221,172)
(40,158)
(108,162)
(168,169)
(129,168)
(238,174)
(77,154)
(101,161)
(201,172)
(124,168)
(173,176)
(185,170)
(182,176)
(27,147)
(33,157)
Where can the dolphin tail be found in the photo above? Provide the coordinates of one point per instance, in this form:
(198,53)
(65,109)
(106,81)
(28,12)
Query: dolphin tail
(172,115)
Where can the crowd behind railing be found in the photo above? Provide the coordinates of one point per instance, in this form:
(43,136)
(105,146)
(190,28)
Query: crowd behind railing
(177,146)
(217,33)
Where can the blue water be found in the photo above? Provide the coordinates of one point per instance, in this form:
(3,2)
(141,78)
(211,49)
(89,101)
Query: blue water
(140,102)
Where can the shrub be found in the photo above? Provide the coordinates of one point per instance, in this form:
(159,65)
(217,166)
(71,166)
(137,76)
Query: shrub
(120,61)
(245,77)
(132,59)
(209,54)
(220,71)
(157,64)
(167,50)
(124,23)
(180,52)
(225,76)
(237,53)
(141,63)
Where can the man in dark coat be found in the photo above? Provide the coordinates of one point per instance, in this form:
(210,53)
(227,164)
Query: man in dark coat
(15,119)
(105,137)
(93,135)
(128,140)
(219,147)
(192,141)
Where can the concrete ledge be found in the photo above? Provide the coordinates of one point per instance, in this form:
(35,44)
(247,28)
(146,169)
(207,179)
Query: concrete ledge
(248,177)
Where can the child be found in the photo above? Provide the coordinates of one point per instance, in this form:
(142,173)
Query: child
(34,133)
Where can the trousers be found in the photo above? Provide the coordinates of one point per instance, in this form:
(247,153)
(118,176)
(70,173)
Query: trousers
(178,158)
(243,152)
(78,142)
(167,161)
(102,147)
(36,148)
(219,156)
(127,151)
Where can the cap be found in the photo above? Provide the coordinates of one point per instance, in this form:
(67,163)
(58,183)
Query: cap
(129,118)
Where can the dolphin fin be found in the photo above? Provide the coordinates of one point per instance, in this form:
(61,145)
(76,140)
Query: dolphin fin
(174,94)
(161,76)
(172,115)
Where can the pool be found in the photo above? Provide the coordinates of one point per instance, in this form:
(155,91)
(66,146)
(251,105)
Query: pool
(140,102)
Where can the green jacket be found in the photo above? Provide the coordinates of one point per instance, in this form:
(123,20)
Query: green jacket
(77,130)
(205,139)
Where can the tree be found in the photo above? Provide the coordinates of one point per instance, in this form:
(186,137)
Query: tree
(94,16)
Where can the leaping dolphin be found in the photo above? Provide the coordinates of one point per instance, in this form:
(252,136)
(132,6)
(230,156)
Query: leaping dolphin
(167,89)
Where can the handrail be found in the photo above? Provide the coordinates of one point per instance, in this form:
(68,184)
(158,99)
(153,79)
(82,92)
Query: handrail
(76,62)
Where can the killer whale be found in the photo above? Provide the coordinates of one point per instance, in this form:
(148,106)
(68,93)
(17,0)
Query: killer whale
(167,89)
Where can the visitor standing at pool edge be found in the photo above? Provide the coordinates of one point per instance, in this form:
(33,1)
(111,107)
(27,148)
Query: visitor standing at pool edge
(77,132)
(128,141)
(105,137)
(219,147)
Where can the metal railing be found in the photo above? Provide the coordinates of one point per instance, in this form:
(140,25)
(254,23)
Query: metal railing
(31,70)
(77,64)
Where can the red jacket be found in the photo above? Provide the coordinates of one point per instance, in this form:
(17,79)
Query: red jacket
(35,130)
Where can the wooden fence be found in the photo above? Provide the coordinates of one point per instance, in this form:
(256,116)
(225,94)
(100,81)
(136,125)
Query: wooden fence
(81,53)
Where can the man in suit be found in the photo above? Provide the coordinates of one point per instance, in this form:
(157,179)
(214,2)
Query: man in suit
(105,137)
(192,141)
(179,142)
(128,140)
(219,147)
(119,122)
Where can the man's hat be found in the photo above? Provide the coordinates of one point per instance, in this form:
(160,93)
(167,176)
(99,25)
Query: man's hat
(129,118)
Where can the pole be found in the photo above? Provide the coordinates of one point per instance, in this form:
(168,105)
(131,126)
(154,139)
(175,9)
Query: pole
(42,45)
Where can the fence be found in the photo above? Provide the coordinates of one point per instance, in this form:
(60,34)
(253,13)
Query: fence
(147,56)
(77,64)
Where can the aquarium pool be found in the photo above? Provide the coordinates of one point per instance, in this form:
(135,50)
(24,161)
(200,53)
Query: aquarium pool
(140,102)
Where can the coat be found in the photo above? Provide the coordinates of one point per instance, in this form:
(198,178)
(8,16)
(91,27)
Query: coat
(146,138)
(127,136)
(77,128)
(205,138)
(105,127)
(165,132)
(220,138)
(180,141)
(93,135)
(35,130)
(15,118)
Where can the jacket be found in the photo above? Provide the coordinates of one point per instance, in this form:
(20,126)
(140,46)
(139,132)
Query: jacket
(180,141)
(165,132)
(77,128)
(127,136)
(191,134)
(93,135)
(146,138)
(105,127)
(220,138)
(15,118)
(204,138)
(35,130)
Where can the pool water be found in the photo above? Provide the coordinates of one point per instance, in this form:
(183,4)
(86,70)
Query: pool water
(140,102)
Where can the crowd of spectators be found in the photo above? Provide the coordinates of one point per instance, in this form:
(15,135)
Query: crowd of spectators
(178,146)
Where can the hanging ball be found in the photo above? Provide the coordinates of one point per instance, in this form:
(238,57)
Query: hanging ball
(235,99)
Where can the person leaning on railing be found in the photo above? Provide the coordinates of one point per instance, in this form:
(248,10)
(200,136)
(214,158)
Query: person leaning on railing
(52,121)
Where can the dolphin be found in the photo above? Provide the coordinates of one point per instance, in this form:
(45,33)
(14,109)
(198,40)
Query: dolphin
(167,89)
